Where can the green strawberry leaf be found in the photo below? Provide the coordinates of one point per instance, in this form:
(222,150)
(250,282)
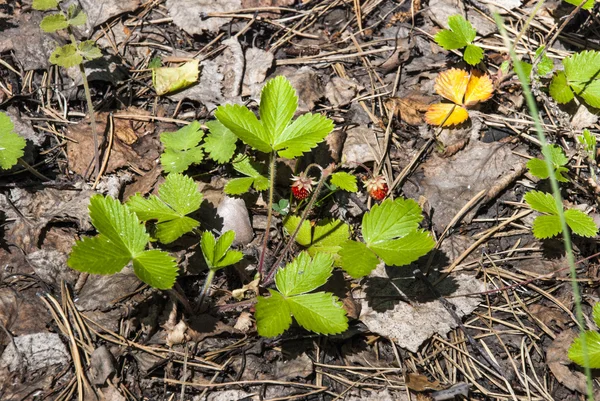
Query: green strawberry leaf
(356,259)
(591,93)
(473,54)
(66,56)
(54,22)
(278,103)
(580,223)
(461,33)
(405,250)
(589,4)
(596,314)
(242,164)
(181,148)
(592,342)
(327,236)
(559,88)
(220,142)
(273,315)
(583,66)
(122,239)
(43,5)
(11,144)
(557,157)
(304,274)
(88,50)
(244,124)
(216,253)
(546,226)
(238,186)
(545,65)
(302,135)
(321,312)
(390,220)
(538,168)
(448,40)
(304,236)
(344,181)
(177,197)
(541,202)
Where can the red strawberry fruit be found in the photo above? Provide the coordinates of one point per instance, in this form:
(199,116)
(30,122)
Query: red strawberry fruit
(302,186)
(377,187)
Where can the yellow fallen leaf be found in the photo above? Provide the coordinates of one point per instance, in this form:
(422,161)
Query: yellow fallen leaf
(171,79)
(463,90)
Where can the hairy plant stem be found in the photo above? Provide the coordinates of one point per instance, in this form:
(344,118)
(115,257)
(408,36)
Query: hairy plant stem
(209,279)
(90,104)
(324,174)
(272,172)
(557,198)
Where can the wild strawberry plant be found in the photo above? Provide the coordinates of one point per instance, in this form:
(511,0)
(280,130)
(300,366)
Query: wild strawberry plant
(12,145)
(320,312)
(581,77)
(325,236)
(460,35)
(587,142)
(253,178)
(557,157)
(592,342)
(548,224)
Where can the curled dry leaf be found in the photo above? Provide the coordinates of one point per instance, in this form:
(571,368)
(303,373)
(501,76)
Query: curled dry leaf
(410,108)
(463,90)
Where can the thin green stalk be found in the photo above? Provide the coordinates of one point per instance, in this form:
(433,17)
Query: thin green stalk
(90,104)
(272,172)
(209,279)
(557,198)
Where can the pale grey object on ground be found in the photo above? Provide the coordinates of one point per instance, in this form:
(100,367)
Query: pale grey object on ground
(361,146)
(99,12)
(235,217)
(411,325)
(190,15)
(32,352)
(51,267)
(258,63)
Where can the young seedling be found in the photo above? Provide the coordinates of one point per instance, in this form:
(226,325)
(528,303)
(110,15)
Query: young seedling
(217,256)
(254,178)
(592,342)
(182,148)
(121,239)
(72,54)
(319,312)
(460,35)
(275,133)
(548,224)
(177,197)
(391,233)
(581,77)
(537,167)
(588,145)
(12,145)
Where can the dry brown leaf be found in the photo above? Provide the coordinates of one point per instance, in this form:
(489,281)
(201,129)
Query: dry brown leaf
(410,108)
(558,362)
(418,382)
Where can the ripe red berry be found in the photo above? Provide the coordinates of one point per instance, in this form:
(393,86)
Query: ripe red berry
(377,187)
(302,186)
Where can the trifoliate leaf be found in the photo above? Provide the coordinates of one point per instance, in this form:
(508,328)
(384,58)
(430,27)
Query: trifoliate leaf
(242,164)
(461,33)
(356,259)
(304,274)
(589,143)
(11,144)
(88,50)
(580,223)
(583,66)
(592,342)
(405,250)
(220,142)
(273,315)
(302,135)
(216,253)
(390,220)
(589,4)
(181,148)
(278,103)
(244,124)
(54,22)
(538,168)
(541,202)
(66,56)
(75,16)
(596,314)
(122,239)
(171,79)
(473,54)
(559,88)
(344,181)
(557,157)
(321,312)
(177,197)
(546,226)
(43,5)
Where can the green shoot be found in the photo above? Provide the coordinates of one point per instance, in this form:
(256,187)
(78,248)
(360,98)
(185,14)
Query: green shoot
(177,197)
(548,224)
(121,239)
(592,340)
(581,77)
(588,144)
(11,144)
(327,236)
(243,165)
(391,233)
(344,181)
(461,34)
(220,142)
(556,155)
(319,312)
(282,207)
